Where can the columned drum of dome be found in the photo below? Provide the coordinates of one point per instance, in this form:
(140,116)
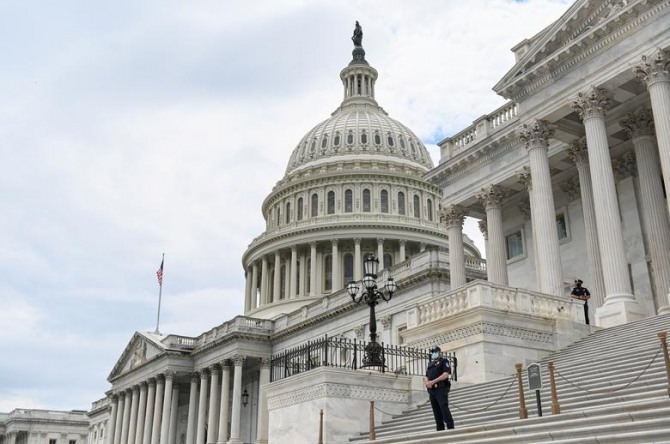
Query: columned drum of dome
(353,185)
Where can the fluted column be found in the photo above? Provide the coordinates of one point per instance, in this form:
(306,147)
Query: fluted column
(167,404)
(401,251)
(453,217)
(263,413)
(579,155)
(141,412)
(276,290)
(192,412)
(158,410)
(202,407)
(536,136)
(247,291)
(337,279)
(149,414)
(380,252)
(174,411)
(237,401)
(225,402)
(133,414)
(302,284)
(254,286)
(312,269)
(655,72)
(357,259)
(525,179)
(293,280)
(496,259)
(127,405)
(623,306)
(640,127)
(109,439)
(213,418)
(264,281)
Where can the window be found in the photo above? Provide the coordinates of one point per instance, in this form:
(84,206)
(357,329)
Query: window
(52,441)
(561,226)
(73,441)
(514,243)
(402,330)
(315,205)
(401,203)
(300,209)
(288,212)
(390,140)
(350,138)
(278,215)
(308,274)
(388,260)
(324,141)
(313,147)
(336,139)
(348,267)
(364,138)
(298,277)
(348,201)
(378,139)
(366,200)
(282,283)
(384,198)
(417,206)
(402,143)
(331,202)
(411,145)
(430,209)
(328,272)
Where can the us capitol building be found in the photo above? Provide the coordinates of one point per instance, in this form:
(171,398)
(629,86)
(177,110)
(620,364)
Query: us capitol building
(566,179)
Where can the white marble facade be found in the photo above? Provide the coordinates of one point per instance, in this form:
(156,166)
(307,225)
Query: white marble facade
(568,179)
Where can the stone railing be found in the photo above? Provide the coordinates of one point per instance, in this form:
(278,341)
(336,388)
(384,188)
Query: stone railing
(475,263)
(183,342)
(240,324)
(486,294)
(100,404)
(47,415)
(480,129)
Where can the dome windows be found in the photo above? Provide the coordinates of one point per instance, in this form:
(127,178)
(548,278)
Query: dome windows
(384,200)
(315,205)
(364,138)
(417,206)
(429,209)
(350,138)
(300,203)
(390,141)
(331,202)
(402,143)
(348,201)
(324,141)
(336,139)
(288,212)
(378,138)
(401,203)
(366,201)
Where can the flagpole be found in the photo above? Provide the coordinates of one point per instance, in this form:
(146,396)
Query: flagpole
(160,294)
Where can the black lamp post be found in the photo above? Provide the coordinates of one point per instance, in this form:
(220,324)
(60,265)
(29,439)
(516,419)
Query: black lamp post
(371,295)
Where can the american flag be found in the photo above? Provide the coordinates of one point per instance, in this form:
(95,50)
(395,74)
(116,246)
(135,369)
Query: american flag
(159,273)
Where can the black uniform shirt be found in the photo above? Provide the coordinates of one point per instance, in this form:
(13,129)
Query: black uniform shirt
(436,368)
(581,293)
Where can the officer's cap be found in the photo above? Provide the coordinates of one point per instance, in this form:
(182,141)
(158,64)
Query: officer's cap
(579,281)
(436,349)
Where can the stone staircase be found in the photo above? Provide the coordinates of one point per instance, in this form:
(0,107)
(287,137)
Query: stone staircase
(612,388)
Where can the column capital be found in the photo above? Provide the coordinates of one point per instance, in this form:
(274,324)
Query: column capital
(484,228)
(238,360)
(380,240)
(571,188)
(169,375)
(578,152)
(224,364)
(536,135)
(524,178)
(334,242)
(312,244)
(357,240)
(636,124)
(204,373)
(195,377)
(453,215)
(492,196)
(592,103)
(401,241)
(654,69)
(265,363)
(294,248)
(359,332)
(151,382)
(624,166)
(386,322)
(215,370)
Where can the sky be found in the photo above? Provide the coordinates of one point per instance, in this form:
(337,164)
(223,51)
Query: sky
(131,129)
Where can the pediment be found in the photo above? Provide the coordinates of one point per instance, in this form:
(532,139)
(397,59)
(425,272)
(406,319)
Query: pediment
(572,33)
(139,350)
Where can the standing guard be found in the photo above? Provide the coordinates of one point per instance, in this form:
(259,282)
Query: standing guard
(582,294)
(438,384)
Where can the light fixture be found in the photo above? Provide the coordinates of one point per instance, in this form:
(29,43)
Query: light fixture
(245,398)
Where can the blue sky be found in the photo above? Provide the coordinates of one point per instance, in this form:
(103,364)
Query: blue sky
(129,129)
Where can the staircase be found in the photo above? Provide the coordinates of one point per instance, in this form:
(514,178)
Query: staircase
(587,372)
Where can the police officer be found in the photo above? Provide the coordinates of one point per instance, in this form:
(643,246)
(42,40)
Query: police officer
(438,383)
(582,294)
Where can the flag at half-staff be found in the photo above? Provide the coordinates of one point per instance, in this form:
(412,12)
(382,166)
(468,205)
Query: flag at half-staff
(159,275)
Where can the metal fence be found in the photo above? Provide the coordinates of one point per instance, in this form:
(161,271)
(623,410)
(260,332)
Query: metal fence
(349,353)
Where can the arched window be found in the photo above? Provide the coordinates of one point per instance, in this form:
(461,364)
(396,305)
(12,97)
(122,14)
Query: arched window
(388,260)
(364,138)
(417,206)
(366,200)
(288,212)
(384,198)
(348,201)
(348,267)
(350,137)
(430,209)
(402,143)
(315,205)
(298,278)
(401,203)
(390,140)
(378,138)
(336,139)
(328,272)
(282,285)
(278,215)
(300,208)
(331,202)
(324,141)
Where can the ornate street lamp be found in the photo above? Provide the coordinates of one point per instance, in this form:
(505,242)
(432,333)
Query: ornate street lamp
(371,295)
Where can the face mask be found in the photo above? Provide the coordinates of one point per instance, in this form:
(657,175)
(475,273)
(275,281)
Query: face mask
(435,355)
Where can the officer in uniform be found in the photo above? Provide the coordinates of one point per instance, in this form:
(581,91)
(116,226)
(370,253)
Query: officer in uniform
(582,294)
(438,383)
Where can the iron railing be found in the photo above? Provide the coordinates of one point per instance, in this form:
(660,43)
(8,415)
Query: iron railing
(349,353)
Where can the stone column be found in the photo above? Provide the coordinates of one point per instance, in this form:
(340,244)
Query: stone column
(149,414)
(380,252)
(655,72)
(125,423)
(174,407)
(254,286)
(579,155)
(312,269)
(358,265)
(236,416)
(640,127)
(213,418)
(401,251)
(167,403)
(536,136)
(293,280)
(225,402)
(496,258)
(133,414)
(525,179)
(453,217)
(247,291)
(202,406)
(263,413)
(109,439)
(141,412)
(620,306)
(337,279)
(119,418)
(158,411)
(302,285)
(276,290)
(264,281)
(192,399)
